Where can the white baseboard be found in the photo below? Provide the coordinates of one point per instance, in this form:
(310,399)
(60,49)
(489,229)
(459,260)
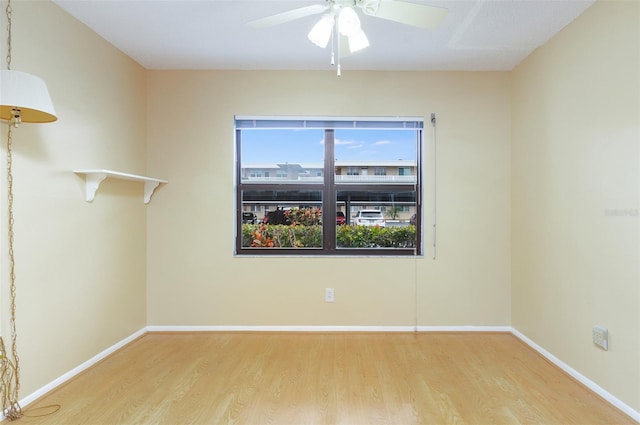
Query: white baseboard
(463,329)
(84,366)
(280,328)
(329,329)
(580,377)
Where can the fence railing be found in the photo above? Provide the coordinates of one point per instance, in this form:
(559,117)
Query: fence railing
(338,179)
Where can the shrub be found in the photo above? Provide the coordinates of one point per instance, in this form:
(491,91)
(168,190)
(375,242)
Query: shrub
(281,236)
(310,236)
(304,216)
(376,237)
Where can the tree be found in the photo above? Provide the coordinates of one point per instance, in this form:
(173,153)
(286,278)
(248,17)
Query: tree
(393,212)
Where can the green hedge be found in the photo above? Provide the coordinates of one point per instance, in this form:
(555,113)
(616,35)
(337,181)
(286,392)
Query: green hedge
(283,236)
(376,237)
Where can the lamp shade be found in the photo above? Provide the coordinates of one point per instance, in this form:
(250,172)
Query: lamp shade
(29,94)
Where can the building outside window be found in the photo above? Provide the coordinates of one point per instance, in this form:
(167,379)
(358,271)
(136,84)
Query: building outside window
(302,200)
(353,171)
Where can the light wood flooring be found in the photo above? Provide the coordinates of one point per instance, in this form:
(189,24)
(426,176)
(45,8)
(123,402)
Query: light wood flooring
(323,378)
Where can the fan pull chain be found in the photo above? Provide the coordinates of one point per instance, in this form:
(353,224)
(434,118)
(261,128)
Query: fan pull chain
(338,43)
(333,58)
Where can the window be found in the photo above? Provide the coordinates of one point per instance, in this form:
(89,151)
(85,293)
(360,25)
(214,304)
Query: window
(328,180)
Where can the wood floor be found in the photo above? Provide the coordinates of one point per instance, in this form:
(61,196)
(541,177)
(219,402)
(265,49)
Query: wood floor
(323,378)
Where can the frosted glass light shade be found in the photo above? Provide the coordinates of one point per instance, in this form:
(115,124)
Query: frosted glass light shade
(29,94)
(321,31)
(358,41)
(348,22)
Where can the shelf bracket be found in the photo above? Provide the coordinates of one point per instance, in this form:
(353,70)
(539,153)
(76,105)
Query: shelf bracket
(93,181)
(149,187)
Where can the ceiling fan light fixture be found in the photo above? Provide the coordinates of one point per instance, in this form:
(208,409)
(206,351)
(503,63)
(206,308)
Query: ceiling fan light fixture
(358,41)
(348,22)
(341,19)
(320,34)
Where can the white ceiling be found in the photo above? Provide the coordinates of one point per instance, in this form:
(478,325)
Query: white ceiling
(213,34)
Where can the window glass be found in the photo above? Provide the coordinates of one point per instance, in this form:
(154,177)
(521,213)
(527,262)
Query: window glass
(284,156)
(366,203)
(377,219)
(292,219)
(375,156)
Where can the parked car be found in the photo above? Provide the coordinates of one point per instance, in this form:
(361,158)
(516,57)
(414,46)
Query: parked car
(340,218)
(369,218)
(249,218)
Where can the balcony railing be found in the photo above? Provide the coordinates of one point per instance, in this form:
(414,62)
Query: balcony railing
(375,179)
(360,179)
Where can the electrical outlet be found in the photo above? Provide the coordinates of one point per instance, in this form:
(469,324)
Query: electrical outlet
(328,295)
(601,337)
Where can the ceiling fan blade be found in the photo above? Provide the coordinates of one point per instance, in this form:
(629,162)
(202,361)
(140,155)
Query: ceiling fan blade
(289,15)
(418,15)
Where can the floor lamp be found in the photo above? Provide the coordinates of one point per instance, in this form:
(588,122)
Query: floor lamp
(24,98)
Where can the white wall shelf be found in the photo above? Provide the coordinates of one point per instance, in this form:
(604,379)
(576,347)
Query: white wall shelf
(93,178)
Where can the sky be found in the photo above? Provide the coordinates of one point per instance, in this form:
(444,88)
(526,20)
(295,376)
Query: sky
(307,145)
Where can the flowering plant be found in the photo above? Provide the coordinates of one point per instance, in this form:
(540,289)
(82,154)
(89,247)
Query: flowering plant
(304,216)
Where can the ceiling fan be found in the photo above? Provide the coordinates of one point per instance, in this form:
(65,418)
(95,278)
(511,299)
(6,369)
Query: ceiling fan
(339,18)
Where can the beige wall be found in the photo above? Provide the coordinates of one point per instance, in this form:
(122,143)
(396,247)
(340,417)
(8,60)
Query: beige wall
(194,278)
(575,190)
(81,269)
